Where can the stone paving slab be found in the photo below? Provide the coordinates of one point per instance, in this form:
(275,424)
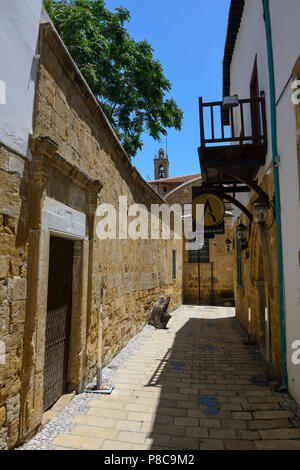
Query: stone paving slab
(187,387)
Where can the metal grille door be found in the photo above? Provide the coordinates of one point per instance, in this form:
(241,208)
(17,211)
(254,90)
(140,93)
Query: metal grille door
(55,355)
(57,335)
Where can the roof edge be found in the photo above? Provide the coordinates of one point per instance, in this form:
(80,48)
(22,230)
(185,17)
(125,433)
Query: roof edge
(236,10)
(48,29)
(175,179)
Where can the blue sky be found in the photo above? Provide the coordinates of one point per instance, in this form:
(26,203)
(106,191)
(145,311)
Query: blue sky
(188,38)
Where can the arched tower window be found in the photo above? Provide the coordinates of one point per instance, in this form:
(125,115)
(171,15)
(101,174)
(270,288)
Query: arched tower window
(161,172)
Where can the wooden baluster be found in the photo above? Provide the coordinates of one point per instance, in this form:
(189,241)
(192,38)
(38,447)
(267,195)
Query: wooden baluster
(202,133)
(222,125)
(212,122)
(242,122)
(232,123)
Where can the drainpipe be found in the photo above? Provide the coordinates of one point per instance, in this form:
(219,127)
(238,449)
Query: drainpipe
(277,193)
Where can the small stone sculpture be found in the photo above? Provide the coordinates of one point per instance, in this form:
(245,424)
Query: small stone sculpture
(159,316)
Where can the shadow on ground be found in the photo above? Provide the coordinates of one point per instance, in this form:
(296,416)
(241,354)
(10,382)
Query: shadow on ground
(204,378)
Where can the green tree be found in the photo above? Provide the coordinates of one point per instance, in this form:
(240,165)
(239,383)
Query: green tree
(122,73)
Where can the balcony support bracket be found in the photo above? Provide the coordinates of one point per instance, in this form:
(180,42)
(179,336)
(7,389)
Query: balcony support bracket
(247,181)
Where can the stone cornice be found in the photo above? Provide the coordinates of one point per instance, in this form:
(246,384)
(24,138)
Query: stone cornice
(46,147)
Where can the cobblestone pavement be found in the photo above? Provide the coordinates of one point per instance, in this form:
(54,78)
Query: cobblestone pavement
(188,387)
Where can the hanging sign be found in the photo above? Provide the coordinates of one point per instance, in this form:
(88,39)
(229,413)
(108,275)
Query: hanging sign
(214,209)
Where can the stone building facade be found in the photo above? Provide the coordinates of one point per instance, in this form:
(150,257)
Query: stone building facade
(256,284)
(52,264)
(211,280)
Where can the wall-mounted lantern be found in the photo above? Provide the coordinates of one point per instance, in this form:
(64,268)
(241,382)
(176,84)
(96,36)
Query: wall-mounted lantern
(241,233)
(260,212)
(228,244)
(230,102)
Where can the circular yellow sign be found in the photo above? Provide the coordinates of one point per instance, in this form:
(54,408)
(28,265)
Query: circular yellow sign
(213,209)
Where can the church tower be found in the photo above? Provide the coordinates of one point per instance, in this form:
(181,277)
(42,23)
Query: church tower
(161,166)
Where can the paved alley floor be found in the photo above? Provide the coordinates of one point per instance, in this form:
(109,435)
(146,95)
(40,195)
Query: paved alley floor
(188,387)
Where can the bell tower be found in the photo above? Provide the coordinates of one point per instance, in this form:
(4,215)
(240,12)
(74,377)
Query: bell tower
(161,165)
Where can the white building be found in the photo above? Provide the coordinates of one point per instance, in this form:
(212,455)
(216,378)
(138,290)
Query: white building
(261,33)
(19,21)
(251,45)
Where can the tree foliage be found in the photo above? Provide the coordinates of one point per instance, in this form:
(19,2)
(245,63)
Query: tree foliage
(122,73)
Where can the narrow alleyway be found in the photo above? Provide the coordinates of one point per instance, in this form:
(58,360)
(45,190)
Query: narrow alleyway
(188,387)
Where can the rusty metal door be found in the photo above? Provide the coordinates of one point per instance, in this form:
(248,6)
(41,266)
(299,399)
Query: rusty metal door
(58,320)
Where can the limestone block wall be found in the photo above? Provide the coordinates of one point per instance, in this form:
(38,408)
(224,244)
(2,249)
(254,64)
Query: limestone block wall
(221,260)
(259,289)
(127,276)
(132,274)
(183,195)
(13,284)
(222,274)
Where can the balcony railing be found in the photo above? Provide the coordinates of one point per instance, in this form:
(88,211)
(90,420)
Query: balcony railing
(257,108)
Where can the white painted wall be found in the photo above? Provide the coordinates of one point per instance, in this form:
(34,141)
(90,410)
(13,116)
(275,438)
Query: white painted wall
(286,39)
(250,42)
(286,49)
(19,26)
(290,213)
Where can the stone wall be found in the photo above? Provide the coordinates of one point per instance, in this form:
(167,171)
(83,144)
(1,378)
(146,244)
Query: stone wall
(13,280)
(260,284)
(222,262)
(126,276)
(220,291)
(132,273)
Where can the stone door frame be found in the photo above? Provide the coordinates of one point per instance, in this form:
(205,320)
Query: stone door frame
(45,159)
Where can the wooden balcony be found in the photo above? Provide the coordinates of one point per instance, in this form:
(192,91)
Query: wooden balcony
(242,154)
